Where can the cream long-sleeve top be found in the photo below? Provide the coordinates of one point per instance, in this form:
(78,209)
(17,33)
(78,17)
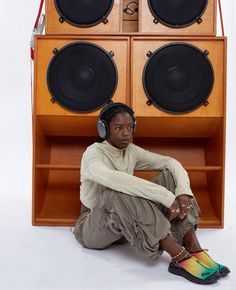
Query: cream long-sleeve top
(105,166)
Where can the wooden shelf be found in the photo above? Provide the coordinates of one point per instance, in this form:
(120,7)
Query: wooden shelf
(202,168)
(57,167)
(54,221)
(188,168)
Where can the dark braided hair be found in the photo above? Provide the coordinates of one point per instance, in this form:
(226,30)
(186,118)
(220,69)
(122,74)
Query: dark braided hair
(112,112)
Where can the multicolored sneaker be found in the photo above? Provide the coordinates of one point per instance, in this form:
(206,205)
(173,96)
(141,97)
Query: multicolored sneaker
(204,258)
(193,270)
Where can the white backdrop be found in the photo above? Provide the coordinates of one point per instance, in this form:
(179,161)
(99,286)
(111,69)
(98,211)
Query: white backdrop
(17,20)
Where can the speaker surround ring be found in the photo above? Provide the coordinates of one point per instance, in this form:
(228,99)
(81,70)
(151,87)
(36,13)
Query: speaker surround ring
(82,77)
(177,14)
(178,78)
(84,13)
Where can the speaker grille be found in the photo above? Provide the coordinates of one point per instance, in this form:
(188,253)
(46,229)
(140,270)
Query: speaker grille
(84,13)
(177,13)
(178,78)
(82,77)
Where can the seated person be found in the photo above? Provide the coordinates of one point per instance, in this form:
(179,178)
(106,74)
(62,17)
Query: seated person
(153,216)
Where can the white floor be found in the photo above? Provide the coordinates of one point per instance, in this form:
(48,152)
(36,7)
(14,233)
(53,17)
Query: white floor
(42,258)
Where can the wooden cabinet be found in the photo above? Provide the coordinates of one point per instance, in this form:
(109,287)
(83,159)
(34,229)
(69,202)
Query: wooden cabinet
(60,137)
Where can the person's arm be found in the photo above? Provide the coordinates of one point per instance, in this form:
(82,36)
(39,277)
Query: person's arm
(94,169)
(146,160)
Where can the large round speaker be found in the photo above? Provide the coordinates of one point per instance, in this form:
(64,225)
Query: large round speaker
(82,76)
(178,77)
(84,13)
(177,13)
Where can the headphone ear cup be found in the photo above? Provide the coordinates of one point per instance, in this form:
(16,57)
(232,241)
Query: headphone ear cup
(102,129)
(135,125)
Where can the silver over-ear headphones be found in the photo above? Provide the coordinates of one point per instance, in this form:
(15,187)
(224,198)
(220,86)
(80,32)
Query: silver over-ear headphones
(102,126)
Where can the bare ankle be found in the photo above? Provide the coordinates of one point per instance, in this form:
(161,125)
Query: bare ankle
(182,255)
(191,242)
(192,247)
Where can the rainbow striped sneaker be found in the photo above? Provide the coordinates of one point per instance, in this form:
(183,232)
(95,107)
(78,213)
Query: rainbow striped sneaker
(193,270)
(204,258)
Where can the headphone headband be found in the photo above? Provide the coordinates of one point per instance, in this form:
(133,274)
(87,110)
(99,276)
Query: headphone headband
(102,126)
(112,105)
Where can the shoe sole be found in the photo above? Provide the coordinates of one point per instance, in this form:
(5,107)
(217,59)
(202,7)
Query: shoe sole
(181,272)
(224,271)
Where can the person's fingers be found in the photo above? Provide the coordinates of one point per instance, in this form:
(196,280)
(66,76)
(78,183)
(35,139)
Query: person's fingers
(184,209)
(172,216)
(174,212)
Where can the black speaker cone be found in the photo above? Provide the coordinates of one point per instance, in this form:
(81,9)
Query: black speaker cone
(177,13)
(178,78)
(84,13)
(82,77)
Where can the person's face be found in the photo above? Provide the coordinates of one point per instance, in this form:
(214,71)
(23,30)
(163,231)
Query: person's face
(121,130)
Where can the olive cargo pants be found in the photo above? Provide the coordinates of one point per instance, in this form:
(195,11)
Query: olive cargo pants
(141,222)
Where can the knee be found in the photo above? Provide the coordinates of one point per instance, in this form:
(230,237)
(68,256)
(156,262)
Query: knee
(165,178)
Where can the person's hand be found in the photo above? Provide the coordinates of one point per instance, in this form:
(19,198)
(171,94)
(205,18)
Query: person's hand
(174,210)
(185,205)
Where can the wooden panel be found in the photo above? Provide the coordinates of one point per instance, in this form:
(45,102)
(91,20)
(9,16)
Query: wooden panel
(177,127)
(40,141)
(54,26)
(40,181)
(130,26)
(69,150)
(69,125)
(44,53)
(206,27)
(61,204)
(216,48)
(215,183)
(189,151)
(216,144)
(199,185)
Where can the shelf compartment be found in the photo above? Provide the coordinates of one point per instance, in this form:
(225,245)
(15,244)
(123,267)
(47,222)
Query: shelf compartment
(58,191)
(61,150)
(68,125)
(59,204)
(130,20)
(189,151)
